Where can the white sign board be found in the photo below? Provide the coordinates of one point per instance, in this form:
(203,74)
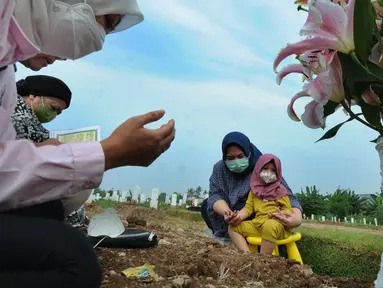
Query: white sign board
(86,134)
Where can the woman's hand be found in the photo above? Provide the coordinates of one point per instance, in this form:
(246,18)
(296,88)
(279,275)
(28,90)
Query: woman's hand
(236,217)
(228,216)
(287,218)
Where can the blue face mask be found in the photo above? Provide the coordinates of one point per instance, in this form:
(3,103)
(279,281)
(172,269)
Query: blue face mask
(237,165)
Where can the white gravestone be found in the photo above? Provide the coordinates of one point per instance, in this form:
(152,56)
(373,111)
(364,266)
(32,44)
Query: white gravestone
(174,199)
(154,198)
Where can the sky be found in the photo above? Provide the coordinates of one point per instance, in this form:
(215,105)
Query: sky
(209,65)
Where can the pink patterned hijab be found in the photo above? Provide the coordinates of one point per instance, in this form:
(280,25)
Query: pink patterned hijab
(265,191)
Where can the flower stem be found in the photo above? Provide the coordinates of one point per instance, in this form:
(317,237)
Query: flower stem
(356,117)
(301,8)
(356,60)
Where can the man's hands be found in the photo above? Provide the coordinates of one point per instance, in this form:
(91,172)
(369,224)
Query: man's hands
(132,144)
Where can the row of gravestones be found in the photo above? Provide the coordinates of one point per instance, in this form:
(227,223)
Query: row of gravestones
(139,196)
(345,220)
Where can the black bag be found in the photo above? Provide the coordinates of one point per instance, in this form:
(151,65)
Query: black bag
(130,238)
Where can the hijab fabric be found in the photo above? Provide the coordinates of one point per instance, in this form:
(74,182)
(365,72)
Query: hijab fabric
(33,18)
(43,85)
(259,188)
(241,140)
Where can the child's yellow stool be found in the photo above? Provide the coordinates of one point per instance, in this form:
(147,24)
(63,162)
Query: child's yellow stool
(291,246)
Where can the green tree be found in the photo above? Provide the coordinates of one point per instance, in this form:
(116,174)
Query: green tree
(375,205)
(190,192)
(340,204)
(162,198)
(312,201)
(198,191)
(344,202)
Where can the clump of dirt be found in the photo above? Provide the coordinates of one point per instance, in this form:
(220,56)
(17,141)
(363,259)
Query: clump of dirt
(183,258)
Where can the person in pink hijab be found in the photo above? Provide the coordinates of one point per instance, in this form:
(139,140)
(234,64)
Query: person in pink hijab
(266,197)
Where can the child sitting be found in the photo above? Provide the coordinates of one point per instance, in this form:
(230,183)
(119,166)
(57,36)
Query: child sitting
(267,195)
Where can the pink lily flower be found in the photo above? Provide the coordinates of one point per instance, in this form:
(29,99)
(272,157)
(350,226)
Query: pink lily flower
(370,97)
(329,26)
(313,115)
(313,62)
(328,85)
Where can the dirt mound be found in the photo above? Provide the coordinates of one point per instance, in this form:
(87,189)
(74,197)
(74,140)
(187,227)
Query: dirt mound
(183,258)
(203,262)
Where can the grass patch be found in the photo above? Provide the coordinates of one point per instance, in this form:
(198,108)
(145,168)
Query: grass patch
(183,214)
(341,253)
(105,204)
(358,240)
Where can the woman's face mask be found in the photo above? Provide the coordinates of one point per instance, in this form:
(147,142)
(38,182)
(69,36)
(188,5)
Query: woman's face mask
(73,31)
(237,165)
(44,112)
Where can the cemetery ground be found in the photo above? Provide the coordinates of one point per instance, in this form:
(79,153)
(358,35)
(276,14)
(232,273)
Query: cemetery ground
(340,256)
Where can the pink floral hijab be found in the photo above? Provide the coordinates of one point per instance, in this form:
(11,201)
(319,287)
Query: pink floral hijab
(265,191)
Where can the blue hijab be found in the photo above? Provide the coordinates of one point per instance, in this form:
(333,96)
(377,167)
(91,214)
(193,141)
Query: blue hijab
(241,140)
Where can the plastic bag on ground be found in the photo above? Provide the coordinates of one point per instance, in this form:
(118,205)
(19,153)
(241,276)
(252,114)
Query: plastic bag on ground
(106,224)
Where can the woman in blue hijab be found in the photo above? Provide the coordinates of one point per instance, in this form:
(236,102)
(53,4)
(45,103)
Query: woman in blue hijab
(230,186)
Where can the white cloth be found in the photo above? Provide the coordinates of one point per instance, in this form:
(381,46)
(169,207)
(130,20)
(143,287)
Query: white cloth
(32,15)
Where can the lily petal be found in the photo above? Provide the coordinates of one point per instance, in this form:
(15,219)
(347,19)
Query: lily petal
(293,68)
(350,16)
(324,59)
(327,19)
(370,97)
(310,44)
(376,55)
(336,76)
(313,115)
(320,89)
(290,108)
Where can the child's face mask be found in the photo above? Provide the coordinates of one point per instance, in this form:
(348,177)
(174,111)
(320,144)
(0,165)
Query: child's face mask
(268,176)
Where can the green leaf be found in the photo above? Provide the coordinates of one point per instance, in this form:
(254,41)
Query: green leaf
(364,21)
(329,108)
(371,114)
(375,140)
(332,132)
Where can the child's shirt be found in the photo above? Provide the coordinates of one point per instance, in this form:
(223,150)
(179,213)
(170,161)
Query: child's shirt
(261,207)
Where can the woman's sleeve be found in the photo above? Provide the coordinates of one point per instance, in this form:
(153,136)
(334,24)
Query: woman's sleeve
(215,192)
(294,201)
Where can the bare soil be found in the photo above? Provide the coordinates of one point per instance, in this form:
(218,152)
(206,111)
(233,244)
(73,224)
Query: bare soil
(184,258)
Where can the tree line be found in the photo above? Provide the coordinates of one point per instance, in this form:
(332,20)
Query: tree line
(342,203)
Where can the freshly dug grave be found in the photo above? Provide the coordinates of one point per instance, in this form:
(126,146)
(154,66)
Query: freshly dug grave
(183,258)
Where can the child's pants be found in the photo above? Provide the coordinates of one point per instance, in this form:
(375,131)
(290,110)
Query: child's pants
(270,230)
